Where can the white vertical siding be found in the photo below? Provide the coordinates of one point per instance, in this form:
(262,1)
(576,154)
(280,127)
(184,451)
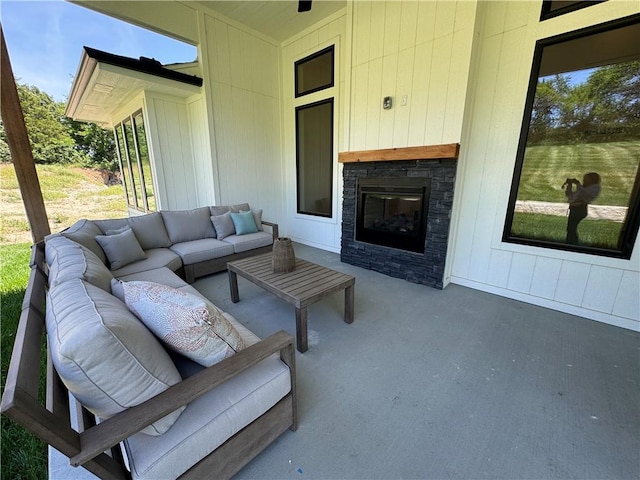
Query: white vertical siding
(169,122)
(599,288)
(317,231)
(243,74)
(418,49)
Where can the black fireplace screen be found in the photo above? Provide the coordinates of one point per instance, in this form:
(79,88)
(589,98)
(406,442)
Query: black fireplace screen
(392,212)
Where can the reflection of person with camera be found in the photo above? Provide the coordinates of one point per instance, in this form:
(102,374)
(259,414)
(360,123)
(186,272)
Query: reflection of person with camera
(578,199)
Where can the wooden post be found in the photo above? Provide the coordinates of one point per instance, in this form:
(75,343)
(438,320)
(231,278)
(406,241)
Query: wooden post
(20,149)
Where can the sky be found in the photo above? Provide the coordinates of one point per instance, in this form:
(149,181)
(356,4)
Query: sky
(45,40)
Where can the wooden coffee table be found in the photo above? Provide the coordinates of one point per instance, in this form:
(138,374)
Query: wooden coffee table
(306,285)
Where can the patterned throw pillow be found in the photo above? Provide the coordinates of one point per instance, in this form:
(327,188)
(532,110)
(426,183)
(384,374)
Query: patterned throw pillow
(186,323)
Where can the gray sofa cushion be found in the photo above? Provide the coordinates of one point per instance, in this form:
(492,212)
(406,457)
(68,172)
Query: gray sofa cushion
(244,243)
(84,232)
(161,275)
(187,225)
(156,258)
(223,225)
(69,260)
(202,250)
(150,231)
(131,366)
(121,248)
(211,419)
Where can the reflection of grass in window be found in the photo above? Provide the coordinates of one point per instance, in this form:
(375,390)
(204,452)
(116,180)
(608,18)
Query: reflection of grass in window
(553,228)
(546,167)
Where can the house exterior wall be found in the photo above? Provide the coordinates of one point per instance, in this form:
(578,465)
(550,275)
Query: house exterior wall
(172,126)
(595,287)
(320,232)
(242,81)
(418,49)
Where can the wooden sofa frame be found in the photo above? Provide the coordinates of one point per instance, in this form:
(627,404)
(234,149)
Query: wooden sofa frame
(96,447)
(214,265)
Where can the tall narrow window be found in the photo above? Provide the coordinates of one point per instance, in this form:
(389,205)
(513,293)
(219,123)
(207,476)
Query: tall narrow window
(314,89)
(576,185)
(314,158)
(135,164)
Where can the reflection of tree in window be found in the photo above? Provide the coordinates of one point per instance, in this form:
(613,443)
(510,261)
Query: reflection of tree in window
(124,164)
(133,159)
(584,117)
(135,166)
(145,162)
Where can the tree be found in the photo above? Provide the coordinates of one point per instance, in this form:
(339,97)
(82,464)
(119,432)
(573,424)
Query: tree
(95,142)
(50,139)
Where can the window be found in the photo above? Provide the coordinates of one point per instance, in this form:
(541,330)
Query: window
(576,182)
(314,72)
(135,166)
(314,82)
(554,8)
(314,158)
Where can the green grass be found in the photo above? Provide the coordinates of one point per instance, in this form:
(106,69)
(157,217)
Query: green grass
(594,233)
(23,455)
(546,167)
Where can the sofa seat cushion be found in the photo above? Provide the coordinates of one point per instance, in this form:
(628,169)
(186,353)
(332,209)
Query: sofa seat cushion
(243,243)
(210,420)
(201,250)
(156,258)
(69,260)
(104,355)
(162,275)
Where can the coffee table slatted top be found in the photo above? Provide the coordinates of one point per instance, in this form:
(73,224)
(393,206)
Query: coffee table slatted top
(307,284)
(303,285)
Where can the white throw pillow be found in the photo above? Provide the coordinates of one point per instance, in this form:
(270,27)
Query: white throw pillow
(186,323)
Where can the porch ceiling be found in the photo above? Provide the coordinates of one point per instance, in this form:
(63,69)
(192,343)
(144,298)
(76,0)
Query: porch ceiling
(277,19)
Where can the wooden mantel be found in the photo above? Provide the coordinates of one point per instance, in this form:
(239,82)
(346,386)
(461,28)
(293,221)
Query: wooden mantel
(447,151)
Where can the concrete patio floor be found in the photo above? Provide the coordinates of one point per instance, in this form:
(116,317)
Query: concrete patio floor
(451,383)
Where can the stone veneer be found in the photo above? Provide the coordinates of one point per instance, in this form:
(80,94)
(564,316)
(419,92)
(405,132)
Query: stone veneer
(426,268)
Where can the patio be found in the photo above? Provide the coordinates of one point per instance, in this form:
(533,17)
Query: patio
(452,383)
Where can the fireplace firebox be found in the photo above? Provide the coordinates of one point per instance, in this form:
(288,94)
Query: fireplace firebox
(392,212)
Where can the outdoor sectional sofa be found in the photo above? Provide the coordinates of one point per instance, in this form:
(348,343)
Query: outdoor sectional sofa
(143,410)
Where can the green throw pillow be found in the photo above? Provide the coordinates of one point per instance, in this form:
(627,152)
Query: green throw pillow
(244,223)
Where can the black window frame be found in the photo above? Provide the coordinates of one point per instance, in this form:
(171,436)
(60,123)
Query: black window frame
(330,101)
(629,231)
(127,166)
(548,11)
(301,62)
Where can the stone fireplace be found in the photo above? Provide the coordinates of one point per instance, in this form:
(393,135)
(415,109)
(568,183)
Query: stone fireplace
(396,211)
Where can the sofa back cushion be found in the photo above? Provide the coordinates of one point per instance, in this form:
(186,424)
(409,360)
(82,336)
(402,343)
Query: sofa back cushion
(150,231)
(84,232)
(104,355)
(187,225)
(69,260)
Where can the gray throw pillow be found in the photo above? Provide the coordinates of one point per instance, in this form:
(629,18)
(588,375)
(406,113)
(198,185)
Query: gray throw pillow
(121,248)
(223,225)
